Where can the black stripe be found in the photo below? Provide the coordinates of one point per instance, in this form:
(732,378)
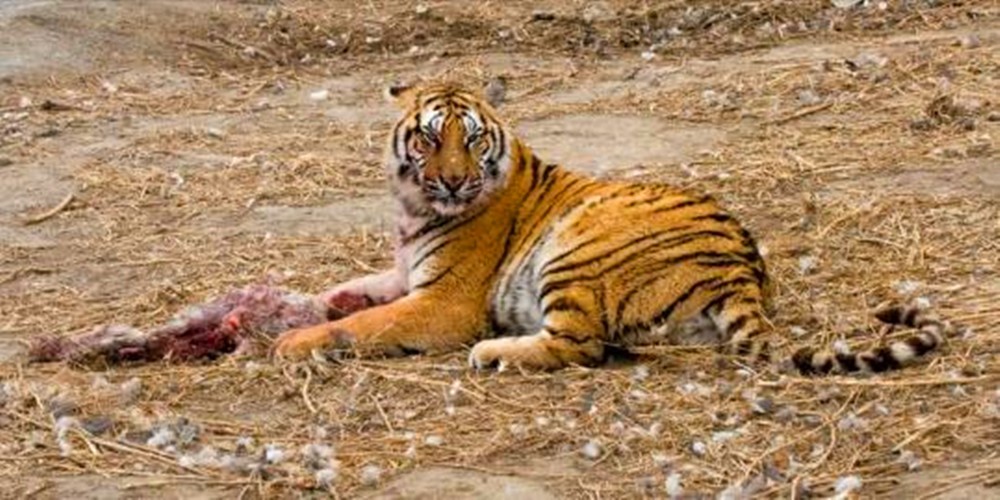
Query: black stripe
(459,222)
(802,359)
(550,169)
(420,260)
(848,361)
(738,324)
(434,280)
(546,184)
(826,366)
(703,259)
(664,315)
(672,242)
(717,302)
(395,138)
(432,224)
(557,199)
(717,217)
(728,258)
(496,328)
(890,315)
(569,267)
(571,251)
(624,302)
(562,304)
(683,204)
(502,141)
(653,198)
(712,285)
(918,344)
(535,173)
(506,247)
(881,359)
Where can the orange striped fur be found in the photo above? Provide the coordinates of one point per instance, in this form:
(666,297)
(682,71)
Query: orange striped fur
(533,265)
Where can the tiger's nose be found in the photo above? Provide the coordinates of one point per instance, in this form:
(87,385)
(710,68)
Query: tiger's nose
(453,182)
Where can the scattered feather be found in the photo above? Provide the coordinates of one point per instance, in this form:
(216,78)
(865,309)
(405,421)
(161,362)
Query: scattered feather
(847,484)
(370,475)
(591,450)
(273,454)
(673,485)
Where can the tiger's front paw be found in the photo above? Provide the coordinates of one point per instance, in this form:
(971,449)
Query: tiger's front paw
(341,303)
(300,343)
(524,352)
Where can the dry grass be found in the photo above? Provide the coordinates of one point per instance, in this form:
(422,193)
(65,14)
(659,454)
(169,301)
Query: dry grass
(854,175)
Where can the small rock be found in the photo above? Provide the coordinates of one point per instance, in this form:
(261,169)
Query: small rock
(910,460)
(24,102)
(699,448)
(969,41)
(215,133)
(648,55)
(320,95)
(846,4)
(97,425)
(421,9)
(60,407)
(786,414)
(434,440)
(762,406)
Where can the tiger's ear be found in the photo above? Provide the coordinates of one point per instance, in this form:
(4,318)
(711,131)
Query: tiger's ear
(401,93)
(495,90)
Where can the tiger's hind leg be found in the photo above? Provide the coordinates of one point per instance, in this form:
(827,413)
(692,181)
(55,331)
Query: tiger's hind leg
(572,333)
(739,314)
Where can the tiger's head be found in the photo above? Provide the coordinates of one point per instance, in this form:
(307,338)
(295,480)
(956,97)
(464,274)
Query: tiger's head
(448,152)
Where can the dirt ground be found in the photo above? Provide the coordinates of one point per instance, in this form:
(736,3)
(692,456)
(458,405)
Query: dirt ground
(192,146)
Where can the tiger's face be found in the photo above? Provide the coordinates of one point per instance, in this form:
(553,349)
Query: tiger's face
(448,151)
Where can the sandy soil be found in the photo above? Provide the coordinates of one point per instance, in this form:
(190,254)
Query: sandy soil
(199,158)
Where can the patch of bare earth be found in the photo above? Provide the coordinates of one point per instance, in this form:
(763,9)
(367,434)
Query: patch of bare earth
(155,154)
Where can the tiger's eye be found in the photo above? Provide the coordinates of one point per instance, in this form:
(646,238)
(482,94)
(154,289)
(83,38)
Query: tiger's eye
(479,145)
(422,143)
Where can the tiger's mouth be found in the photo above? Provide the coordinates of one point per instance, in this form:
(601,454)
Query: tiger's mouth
(449,200)
(452,204)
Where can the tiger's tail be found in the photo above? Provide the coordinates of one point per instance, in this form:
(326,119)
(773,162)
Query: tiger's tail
(932,333)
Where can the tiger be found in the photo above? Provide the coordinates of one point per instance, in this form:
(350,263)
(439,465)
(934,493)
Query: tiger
(536,266)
